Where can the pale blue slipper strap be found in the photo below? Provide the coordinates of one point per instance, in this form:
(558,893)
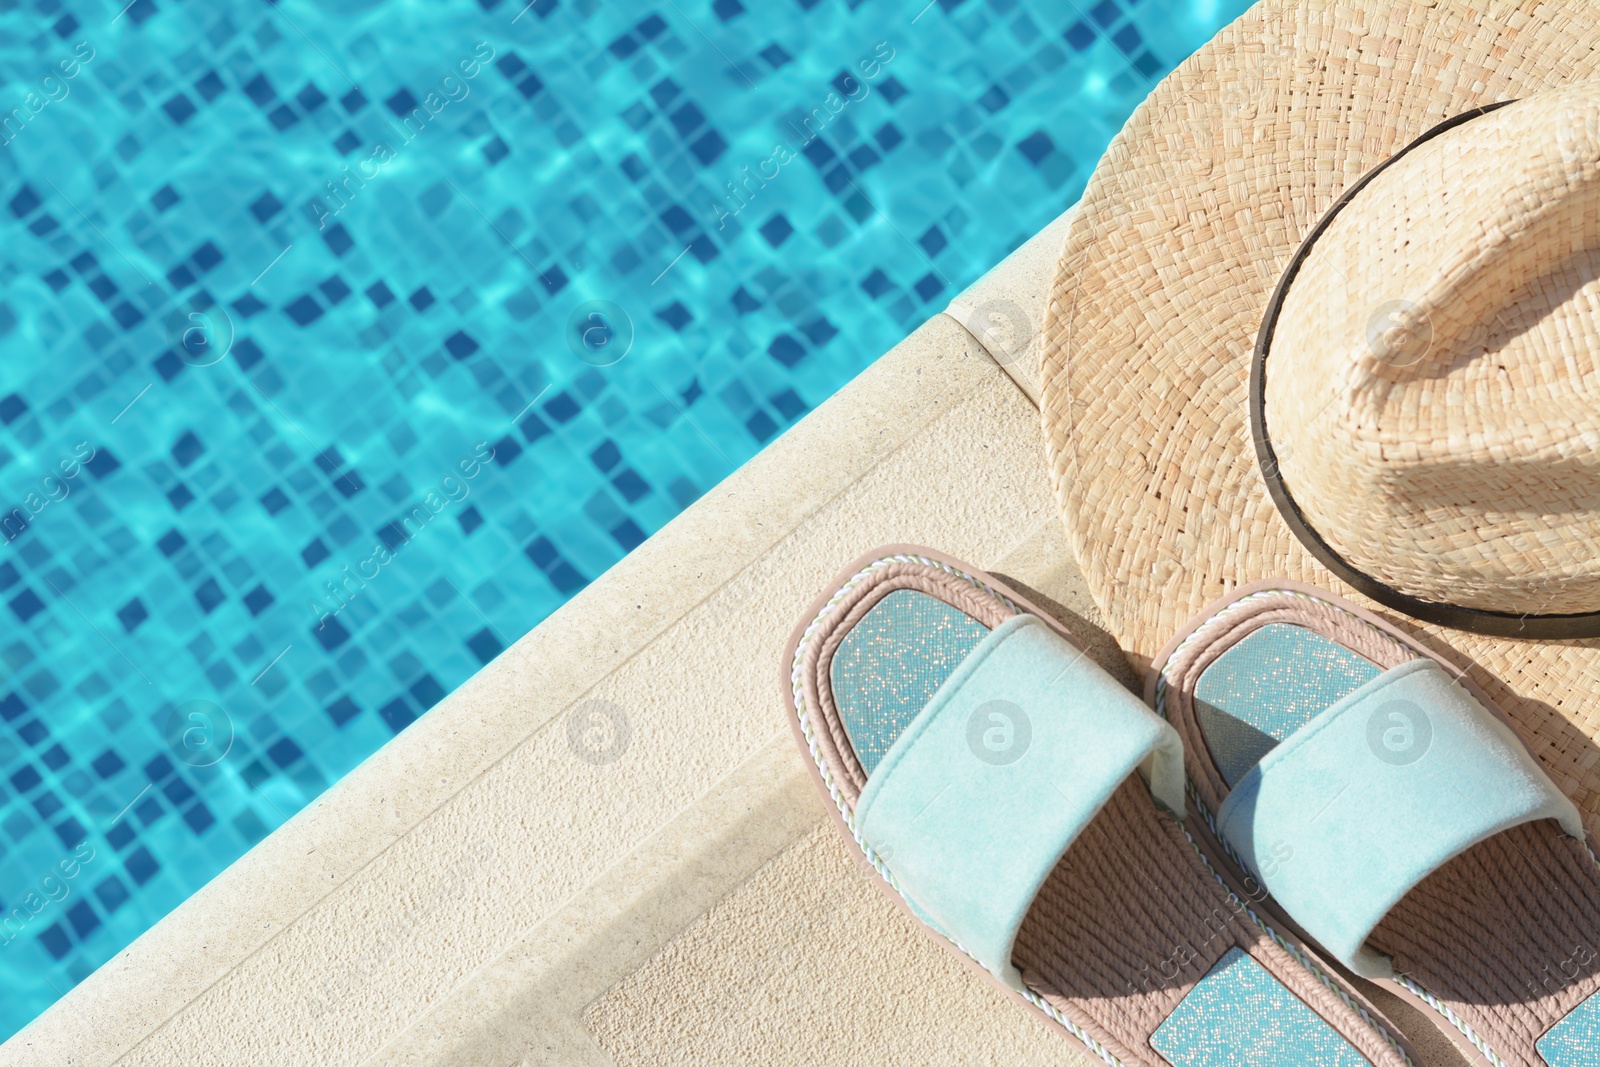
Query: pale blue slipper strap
(987,788)
(1374,794)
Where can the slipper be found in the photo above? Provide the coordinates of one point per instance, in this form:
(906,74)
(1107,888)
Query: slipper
(1019,803)
(1393,816)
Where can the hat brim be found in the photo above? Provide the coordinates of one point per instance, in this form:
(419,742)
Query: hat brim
(1184,230)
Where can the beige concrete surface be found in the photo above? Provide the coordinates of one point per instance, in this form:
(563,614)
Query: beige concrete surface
(1005,308)
(469,892)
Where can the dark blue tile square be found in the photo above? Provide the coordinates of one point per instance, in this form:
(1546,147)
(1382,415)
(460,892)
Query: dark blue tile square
(776,230)
(209,86)
(353,101)
(510,65)
(284,752)
(12,408)
(274,500)
(1105,13)
(55,757)
(727,9)
(33,732)
(330,632)
(83,918)
(786,350)
(345,143)
(265,206)
(180,277)
(108,763)
(209,595)
(315,552)
(743,302)
(708,147)
(484,645)
(397,715)
(506,450)
(205,257)
(775,56)
(304,310)
(158,769)
(891,89)
(258,600)
(402,103)
(177,790)
(141,866)
(1147,64)
(427,691)
(199,818)
(24,202)
(164,198)
(57,280)
(179,109)
(26,778)
(310,98)
(127,315)
(342,710)
(761,426)
(260,91)
(132,614)
(70,832)
(627,535)
(929,286)
(380,295)
(664,92)
(554,279)
(876,283)
(470,520)
(533,427)
(606,455)
(338,242)
(333,289)
(675,315)
(55,941)
(542,553)
(422,299)
(651,26)
(1080,35)
(460,345)
(562,407)
(102,464)
(9,576)
(121,835)
(566,578)
(529,87)
(1036,146)
(632,487)
(26,604)
(187,449)
(171,543)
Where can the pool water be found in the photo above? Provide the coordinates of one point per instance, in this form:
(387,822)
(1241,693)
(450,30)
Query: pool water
(345,340)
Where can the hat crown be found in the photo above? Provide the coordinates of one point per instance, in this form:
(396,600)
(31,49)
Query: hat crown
(1431,379)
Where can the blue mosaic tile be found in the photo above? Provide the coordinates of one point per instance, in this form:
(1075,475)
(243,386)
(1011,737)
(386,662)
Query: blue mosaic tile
(309,412)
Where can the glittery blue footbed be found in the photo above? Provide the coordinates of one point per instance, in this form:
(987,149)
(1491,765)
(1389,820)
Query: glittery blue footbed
(1273,682)
(314,312)
(894,659)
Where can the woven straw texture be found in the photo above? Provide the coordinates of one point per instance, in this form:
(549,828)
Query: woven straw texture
(1198,206)
(1432,376)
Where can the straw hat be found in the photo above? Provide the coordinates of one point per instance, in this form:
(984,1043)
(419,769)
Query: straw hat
(1328,313)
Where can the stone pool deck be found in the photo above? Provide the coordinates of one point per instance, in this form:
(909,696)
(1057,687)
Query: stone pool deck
(604,849)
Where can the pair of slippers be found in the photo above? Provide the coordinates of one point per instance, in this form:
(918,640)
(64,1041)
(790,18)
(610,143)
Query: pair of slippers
(1357,805)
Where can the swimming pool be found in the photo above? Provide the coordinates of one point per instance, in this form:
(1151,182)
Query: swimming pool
(347,340)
